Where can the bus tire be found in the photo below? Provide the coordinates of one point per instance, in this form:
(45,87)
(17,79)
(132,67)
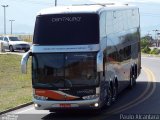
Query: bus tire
(135,71)
(108,100)
(134,75)
(131,82)
(115,92)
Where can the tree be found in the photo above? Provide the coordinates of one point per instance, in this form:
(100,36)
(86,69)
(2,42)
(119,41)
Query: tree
(155,51)
(145,42)
(146,50)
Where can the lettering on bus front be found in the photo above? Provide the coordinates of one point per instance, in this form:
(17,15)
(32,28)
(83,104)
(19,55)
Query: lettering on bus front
(67,19)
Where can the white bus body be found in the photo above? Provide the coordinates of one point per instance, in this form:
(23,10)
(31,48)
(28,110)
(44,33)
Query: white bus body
(83,56)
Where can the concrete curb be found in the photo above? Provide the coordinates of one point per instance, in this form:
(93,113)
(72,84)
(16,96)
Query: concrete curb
(18,107)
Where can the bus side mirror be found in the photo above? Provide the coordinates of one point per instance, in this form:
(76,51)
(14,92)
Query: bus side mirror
(100,61)
(24,62)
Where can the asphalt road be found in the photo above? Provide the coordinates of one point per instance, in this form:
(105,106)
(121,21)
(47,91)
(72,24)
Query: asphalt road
(140,103)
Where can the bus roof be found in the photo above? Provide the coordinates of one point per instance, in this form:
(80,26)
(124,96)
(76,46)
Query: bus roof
(86,8)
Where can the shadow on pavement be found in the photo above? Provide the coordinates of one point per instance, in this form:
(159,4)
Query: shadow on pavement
(72,115)
(124,98)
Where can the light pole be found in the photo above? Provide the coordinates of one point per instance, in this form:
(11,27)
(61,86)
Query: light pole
(11,25)
(4,6)
(156,37)
(55,2)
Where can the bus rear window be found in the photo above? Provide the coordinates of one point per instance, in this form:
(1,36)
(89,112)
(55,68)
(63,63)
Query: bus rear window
(66,29)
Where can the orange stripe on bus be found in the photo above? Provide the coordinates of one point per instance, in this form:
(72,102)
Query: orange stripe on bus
(52,94)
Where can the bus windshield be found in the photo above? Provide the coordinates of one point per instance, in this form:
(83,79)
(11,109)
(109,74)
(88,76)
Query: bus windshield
(64,70)
(66,29)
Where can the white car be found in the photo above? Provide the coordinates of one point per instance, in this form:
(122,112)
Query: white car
(14,43)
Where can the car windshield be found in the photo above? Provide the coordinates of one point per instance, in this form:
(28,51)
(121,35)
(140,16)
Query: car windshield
(14,39)
(63,70)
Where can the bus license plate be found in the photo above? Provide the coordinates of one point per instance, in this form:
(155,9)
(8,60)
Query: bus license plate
(65,105)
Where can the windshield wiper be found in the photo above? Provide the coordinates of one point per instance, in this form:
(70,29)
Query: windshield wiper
(80,85)
(61,83)
(46,85)
(52,85)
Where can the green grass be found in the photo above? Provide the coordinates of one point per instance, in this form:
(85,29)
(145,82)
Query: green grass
(15,88)
(151,55)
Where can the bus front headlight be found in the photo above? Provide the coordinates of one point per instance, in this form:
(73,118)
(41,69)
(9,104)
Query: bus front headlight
(90,97)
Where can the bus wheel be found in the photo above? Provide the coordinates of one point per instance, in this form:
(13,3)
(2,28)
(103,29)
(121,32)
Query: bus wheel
(135,74)
(135,70)
(108,101)
(115,93)
(131,80)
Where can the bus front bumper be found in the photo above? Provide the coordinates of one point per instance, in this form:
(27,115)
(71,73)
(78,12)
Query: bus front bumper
(61,105)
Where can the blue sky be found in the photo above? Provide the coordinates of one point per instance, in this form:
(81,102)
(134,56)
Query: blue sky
(24,13)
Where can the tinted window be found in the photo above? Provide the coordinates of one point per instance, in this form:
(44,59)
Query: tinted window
(64,69)
(66,29)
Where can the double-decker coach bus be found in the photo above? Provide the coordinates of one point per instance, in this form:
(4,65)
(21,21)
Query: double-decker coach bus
(83,56)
